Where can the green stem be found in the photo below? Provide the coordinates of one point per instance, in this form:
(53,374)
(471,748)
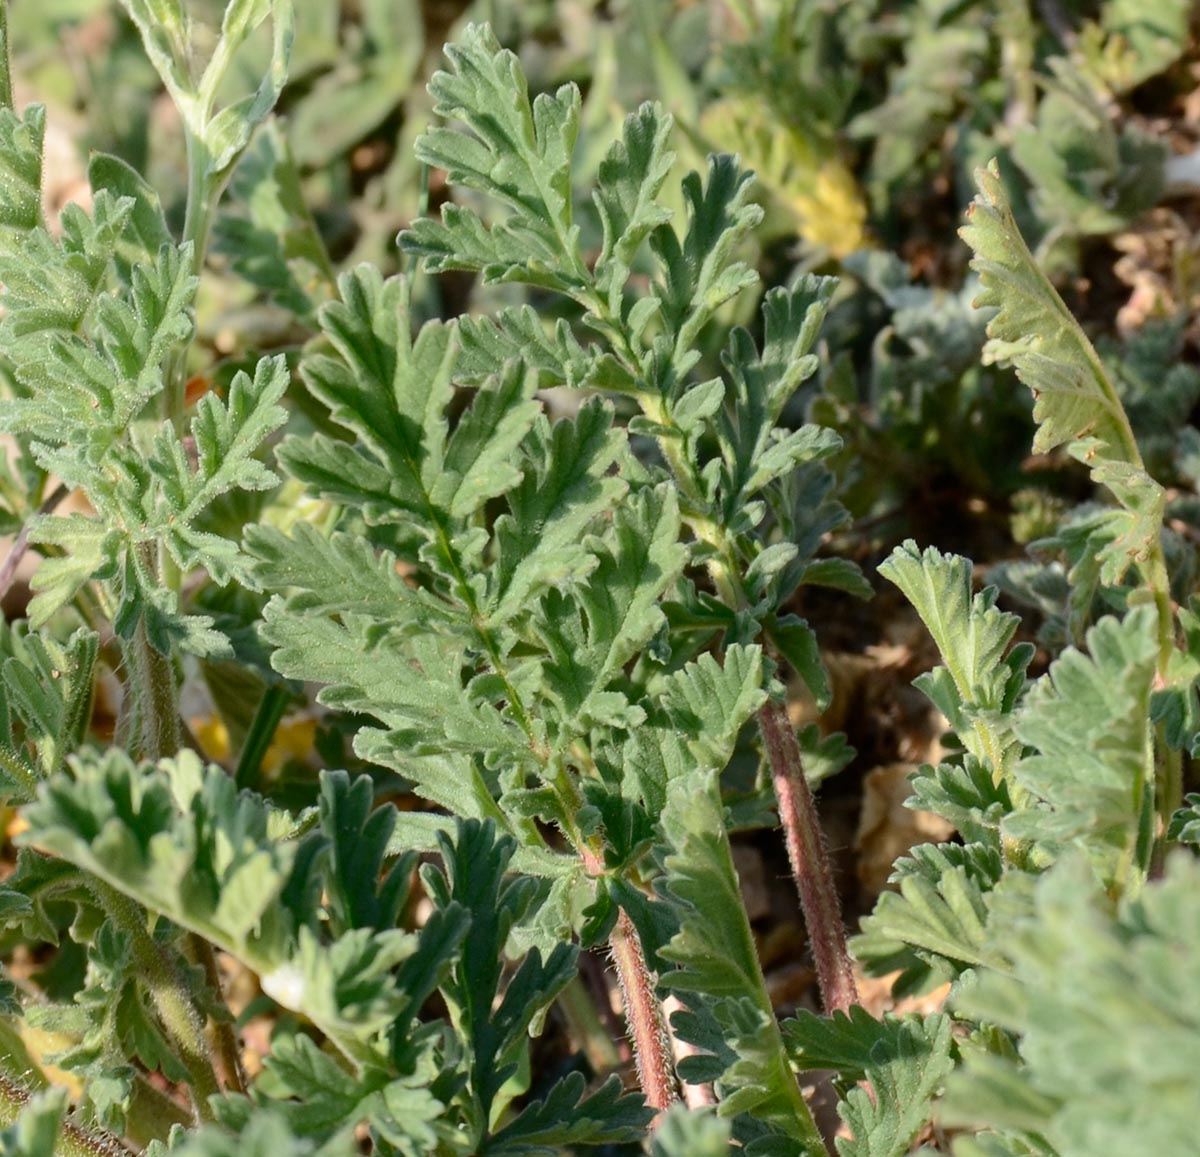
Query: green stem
(1170,780)
(172,995)
(73,1140)
(1167,782)
(161,736)
(222,1037)
(156,697)
(203,192)
(586,1028)
(267,716)
(1158,581)
(6,93)
(152,1114)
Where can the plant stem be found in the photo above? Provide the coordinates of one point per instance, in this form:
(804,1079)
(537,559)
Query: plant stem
(809,859)
(267,717)
(8,569)
(221,1035)
(6,94)
(157,699)
(797,809)
(73,1140)
(585,1026)
(152,1114)
(161,735)
(643,1012)
(170,992)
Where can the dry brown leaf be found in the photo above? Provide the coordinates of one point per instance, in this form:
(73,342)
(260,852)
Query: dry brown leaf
(887,829)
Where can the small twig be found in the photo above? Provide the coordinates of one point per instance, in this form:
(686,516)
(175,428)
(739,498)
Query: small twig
(8,569)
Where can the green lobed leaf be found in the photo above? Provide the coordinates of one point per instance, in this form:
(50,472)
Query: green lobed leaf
(492,1021)
(699,272)
(1091,762)
(797,644)
(146,230)
(516,151)
(935,925)
(1035,332)
(180,839)
(46,691)
(1185,823)
(359,893)
(264,1134)
(965,794)
(628,182)
(125,823)
(21,139)
(978,687)
(593,631)
(226,438)
(566,1117)
(755,451)
(392,392)
(227,133)
(416,689)
(88,389)
(718,966)
(91,549)
(691,1133)
(905,1059)
(52,284)
(707,704)
(341,575)
(1075,401)
(904,1078)
(564,489)
(552,351)
(325,1104)
(110,1023)
(267,231)
(1103,1017)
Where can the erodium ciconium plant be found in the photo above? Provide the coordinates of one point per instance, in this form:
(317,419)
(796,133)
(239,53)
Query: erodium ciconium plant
(555,624)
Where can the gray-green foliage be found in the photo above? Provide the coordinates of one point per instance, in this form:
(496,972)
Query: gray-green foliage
(1058,788)
(552,624)
(543,659)
(1103,1015)
(728,1014)
(905,1059)
(93,321)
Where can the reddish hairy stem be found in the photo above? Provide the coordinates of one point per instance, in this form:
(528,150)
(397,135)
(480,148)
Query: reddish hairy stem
(809,858)
(643,1012)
